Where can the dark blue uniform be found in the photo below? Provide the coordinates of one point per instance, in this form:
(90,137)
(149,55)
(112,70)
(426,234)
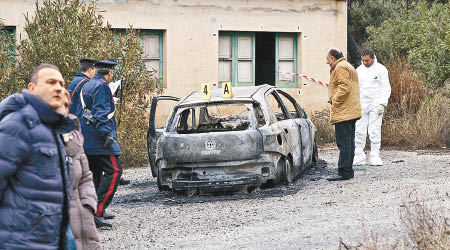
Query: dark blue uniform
(98,98)
(74,89)
(103,160)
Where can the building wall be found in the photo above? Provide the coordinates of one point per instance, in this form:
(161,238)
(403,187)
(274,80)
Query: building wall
(191,27)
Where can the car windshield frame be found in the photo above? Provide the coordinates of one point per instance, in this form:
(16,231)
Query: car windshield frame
(176,113)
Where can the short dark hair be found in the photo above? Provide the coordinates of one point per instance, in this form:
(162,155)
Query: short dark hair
(335,53)
(103,71)
(85,66)
(367,52)
(34,73)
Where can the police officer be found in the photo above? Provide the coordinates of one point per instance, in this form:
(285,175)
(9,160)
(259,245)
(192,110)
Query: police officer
(100,134)
(87,71)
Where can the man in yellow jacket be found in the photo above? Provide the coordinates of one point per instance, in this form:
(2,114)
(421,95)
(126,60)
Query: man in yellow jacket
(343,95)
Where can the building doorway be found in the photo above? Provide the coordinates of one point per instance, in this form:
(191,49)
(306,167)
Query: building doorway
(264,58)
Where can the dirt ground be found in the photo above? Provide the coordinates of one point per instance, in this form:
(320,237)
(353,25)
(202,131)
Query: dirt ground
(312,213)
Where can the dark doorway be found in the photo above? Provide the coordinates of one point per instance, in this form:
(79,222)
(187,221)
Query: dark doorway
(265,58)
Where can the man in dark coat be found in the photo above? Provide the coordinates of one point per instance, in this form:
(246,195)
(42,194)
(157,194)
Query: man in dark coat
(99,130)
(34,185)
(87,71)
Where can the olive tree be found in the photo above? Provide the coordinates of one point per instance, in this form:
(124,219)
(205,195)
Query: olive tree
(63,31)
(7,63)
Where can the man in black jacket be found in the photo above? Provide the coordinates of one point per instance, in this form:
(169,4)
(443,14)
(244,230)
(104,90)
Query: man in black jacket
(34,184)
(87,71)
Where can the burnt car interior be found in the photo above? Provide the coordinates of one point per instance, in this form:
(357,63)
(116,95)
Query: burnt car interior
(277,108)
(293,108)
(290,105)
(214,118)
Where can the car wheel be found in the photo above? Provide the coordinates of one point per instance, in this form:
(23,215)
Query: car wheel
(288,171)
(284,171)
(315,156)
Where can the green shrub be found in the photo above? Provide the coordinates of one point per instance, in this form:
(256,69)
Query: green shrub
(422,34)
(7,60)
(369,13)
(415,116)
(63,31)
(133,110)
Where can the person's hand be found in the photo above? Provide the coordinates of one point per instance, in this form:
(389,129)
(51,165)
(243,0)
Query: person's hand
(380,110)
(109,140)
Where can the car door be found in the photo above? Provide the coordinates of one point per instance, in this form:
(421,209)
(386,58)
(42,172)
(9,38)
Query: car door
(286,127)
(156,127)
(304,125)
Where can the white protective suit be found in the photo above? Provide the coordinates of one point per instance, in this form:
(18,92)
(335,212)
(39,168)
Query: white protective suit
(374,89)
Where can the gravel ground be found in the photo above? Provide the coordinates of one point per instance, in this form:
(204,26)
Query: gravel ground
(312,213)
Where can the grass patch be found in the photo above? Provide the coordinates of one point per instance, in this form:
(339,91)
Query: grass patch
(324,131)
(416,116)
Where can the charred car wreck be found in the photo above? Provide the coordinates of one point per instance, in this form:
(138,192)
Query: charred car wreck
(261,136)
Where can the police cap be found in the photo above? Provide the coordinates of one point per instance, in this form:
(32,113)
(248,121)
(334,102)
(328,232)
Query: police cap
(87,62)
(106,64)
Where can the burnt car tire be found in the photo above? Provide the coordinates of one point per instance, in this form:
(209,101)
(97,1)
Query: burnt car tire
(315,156)
(284,171)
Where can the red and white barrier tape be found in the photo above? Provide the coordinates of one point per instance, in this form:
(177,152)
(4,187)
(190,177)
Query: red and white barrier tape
(307,78)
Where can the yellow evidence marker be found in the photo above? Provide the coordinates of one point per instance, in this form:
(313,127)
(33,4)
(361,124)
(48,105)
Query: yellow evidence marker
(206,90)
(227,91)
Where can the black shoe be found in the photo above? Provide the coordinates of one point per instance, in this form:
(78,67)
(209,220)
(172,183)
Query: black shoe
(108,216)
(100,222)
(124,182)
(338,178)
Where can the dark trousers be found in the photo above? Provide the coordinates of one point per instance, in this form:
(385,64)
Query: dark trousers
(106,171)
(345,140)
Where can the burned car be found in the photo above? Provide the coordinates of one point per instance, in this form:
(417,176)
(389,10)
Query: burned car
(260,136)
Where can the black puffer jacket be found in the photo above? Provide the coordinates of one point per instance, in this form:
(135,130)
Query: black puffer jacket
(34,186)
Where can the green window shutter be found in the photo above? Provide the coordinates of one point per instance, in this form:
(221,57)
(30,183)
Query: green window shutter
(226,57)
(285,60)
(237,58)
(118,32)
(244,63)
(9,32)
(152,44)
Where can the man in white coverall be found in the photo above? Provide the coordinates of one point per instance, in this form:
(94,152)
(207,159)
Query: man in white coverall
(374,89)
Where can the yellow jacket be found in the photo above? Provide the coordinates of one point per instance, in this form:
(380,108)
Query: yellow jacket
(343,92)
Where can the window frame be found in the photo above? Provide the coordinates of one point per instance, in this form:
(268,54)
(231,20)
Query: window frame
(284,84)
(298,109)
(235,58)
(287,115)
(141,33)
(159,33)
(11,31)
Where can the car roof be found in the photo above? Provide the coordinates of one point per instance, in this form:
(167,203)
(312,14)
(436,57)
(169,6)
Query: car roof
(240,94)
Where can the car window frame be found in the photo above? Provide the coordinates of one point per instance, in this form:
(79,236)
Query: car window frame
(300,111)
(280,101)
(175,118)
